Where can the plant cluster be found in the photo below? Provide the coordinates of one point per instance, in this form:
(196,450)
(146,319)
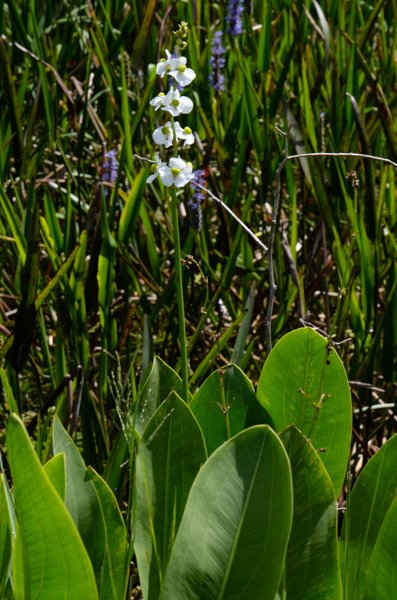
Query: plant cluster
(198,352)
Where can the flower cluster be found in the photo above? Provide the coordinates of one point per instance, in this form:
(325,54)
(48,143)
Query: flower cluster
(217,62)
(199,176)
(234,19)
(110,167)
(177,172)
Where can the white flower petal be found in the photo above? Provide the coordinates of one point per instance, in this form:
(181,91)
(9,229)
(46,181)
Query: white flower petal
(189,139)
(185,105)
(152,177)
(166,176)
(158,136)
(183,78)
(177,163)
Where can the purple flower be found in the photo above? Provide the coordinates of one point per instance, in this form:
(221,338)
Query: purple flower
(199,177)
(217,62)
(234,19)
(110,167)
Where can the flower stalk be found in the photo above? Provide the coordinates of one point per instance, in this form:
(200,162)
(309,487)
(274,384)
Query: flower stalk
(179,294)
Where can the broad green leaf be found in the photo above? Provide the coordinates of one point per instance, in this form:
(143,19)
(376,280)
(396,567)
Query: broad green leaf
(130,212)
(312,565)
(372,496)
(225,405)
(5,537)
(234,532)
(171,453)
(81,499)
(381,578)
(300,373)
(55,471)
(114,571)
(55,562)
(158,386)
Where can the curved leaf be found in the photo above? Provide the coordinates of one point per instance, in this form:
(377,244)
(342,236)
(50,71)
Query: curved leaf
(56,564)
(5,537)
(224,408)
(114,571)
(234,532)
(170,455)
(312,566)
(373,494)
(296,374)
(381,579)
(81,499)
(55,471)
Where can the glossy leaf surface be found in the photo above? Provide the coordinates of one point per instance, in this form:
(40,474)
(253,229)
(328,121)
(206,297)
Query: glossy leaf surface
(312,557)
(233,535)
(299,373)
(81,499)
(372,497)
(171,452)
(227,405)
(55,562)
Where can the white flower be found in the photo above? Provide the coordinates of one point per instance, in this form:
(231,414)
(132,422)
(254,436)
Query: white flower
(163,66)
(179,173)
(175,63)
(182,74)
(175,104)
(154,169)
(164,135)
(158,101)
(184,134)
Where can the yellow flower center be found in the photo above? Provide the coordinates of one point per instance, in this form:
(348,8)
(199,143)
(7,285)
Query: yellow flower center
(161,94)
(153,168)
(165,130)
(181,68)
(175,102)
(175,171)
(188,130)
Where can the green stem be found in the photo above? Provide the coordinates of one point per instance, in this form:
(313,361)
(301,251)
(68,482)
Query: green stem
(179,293)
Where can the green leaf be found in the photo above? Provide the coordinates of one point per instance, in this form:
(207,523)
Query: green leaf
(55,562)
(265,38)
(114,572)
(296,374)
(381,579)
(55,471)
(373,495)
(312,566)
(81,499)
(233,536)
(12,405)
(224,407)
(171,453)
(157,387)
(243,331)
(5,537)
(130,212)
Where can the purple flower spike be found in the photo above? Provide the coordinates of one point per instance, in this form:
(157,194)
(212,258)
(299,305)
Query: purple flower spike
(217,62)
(110,167)
(234,19)
(198,197)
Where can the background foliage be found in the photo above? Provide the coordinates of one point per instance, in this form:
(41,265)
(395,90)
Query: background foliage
(87,284)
